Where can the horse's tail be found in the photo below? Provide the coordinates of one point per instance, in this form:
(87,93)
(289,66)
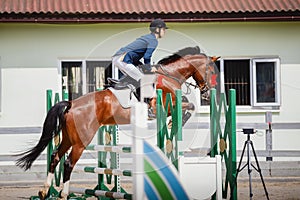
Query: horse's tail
(50,130)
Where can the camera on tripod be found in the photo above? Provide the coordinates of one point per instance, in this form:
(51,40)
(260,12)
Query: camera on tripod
(249,146)
(248,131)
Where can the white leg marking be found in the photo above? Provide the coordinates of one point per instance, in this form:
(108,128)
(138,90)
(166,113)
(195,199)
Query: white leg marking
(66,187)
(49,179)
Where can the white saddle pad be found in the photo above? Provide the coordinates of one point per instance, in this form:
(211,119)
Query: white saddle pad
(125,97)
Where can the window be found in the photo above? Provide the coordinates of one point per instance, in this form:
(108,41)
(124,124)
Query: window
(96,74)
(266,82)
(256,80)
(237,76)
(72,79)
(81,77)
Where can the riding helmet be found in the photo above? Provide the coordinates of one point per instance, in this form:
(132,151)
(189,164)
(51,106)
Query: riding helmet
(157,23)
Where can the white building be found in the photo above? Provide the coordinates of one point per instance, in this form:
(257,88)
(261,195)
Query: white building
(63,46)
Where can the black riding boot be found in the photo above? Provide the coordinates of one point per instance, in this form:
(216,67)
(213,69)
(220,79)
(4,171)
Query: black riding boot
(137,85)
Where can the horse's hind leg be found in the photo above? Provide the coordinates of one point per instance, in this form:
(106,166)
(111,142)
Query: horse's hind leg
(55,158)
(68,167)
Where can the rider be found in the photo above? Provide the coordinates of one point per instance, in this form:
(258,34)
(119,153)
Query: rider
(128,57)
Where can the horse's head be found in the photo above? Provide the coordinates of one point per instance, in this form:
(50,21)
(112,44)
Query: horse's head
(205,73)
(189,62)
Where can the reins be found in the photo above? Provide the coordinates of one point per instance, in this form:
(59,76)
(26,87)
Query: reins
(187,84)
(165,73)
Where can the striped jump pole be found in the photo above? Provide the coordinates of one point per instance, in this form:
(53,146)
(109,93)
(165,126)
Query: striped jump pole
(106,148)
(97,170)
(155,177)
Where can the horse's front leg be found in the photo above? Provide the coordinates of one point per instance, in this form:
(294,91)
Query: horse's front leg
(187,108)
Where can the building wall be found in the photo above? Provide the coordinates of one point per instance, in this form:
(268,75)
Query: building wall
(30,55)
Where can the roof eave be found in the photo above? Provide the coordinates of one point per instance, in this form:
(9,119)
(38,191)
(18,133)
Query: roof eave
(146,17)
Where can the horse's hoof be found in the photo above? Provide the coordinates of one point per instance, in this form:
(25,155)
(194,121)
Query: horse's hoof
(191,107)
(63,196)
(184,99)
(42,194)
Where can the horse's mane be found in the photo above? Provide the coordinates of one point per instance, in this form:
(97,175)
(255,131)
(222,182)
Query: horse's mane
(183,52)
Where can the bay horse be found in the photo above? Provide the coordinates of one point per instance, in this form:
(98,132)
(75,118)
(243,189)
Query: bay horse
(80,119)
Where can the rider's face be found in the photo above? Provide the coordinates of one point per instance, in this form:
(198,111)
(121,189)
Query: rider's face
(162,32)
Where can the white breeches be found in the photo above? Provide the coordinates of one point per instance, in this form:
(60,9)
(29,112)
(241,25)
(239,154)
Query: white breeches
(128,69)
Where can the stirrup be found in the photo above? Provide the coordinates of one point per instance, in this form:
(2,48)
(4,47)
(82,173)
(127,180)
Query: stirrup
(112,81)
(121,85)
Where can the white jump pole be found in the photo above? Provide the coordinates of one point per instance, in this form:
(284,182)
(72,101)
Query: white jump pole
(139,122)
(139,114)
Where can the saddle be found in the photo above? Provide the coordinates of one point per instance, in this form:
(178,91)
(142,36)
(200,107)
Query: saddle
(127,82)
(123,83)
(124,90)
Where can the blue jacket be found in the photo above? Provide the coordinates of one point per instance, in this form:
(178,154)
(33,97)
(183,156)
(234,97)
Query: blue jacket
(142,47)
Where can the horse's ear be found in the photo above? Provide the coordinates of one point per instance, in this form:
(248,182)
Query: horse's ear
(215,58)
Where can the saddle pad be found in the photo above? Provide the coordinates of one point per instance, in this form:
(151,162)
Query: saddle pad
(125,97)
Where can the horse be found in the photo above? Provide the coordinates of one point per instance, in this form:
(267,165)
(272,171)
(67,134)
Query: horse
(80,119)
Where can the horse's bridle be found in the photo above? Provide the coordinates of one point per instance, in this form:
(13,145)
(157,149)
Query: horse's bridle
(204,88)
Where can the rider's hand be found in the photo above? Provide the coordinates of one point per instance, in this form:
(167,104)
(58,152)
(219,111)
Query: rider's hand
(153,69)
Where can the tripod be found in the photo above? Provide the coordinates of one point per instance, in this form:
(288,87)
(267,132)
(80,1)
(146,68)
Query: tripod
(247,144)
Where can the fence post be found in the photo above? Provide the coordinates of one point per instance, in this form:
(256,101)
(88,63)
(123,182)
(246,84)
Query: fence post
(232,144)
(220,138)
(167,140)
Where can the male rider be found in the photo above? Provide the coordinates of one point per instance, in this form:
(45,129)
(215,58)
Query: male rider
(128,57)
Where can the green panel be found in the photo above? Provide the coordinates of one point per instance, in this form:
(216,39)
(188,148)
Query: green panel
(223,141)
(164,134)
